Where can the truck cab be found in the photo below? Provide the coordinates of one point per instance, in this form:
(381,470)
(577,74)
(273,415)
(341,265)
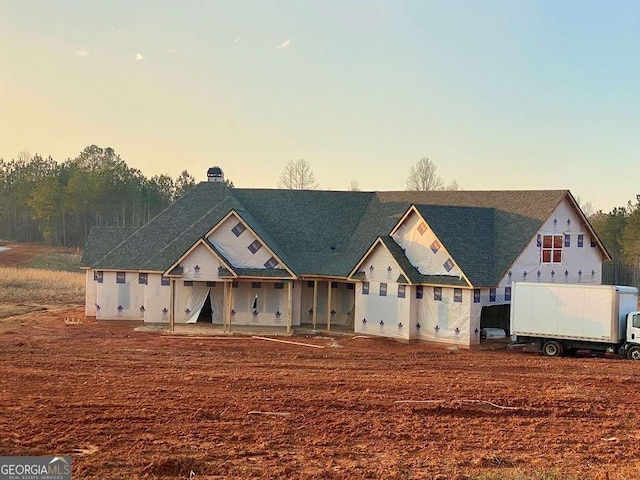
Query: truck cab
(632,347)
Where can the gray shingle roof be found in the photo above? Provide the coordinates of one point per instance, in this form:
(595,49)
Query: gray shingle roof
(468,234)
(101,240)
(327,233)
(160,242)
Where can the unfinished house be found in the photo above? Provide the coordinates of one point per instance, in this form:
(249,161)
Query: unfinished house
(435,265)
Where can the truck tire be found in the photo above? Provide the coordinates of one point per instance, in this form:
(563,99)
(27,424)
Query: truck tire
(633,353)
(551,348)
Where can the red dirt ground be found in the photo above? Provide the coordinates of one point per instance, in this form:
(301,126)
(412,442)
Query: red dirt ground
(130,404)
(19,254)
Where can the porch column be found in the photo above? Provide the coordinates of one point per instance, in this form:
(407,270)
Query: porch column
(289,304)
(315,303)
(230,288)
(172,303)
(225,306)
(329,306)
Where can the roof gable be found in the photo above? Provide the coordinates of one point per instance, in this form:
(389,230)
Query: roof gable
(233,246)
(217,256)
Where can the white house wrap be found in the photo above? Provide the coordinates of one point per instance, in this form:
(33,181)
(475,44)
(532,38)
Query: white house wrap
(434,266)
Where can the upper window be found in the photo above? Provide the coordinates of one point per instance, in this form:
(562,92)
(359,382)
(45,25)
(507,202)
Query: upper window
(98,276)
(278,286)
(255,246)
(422,228)
(448,265)
(492,294)
(476,295)
(437,293)
(435,246)
(238,229)
(164,281)
(271,263)
(256,285)
(507,294)
(365,288)
(383,289)
(580,240)
(457,295)
(401,291)
(143,278)
(552,248)
(419,291)
(121,277)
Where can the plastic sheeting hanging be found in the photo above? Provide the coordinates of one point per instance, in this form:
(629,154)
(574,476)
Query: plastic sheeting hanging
(197,297)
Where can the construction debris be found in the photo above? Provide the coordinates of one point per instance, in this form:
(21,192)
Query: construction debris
(484,402)
(275,414)
(287,341)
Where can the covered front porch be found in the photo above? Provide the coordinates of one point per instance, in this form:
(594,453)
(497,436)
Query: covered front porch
(229,304)
(327,304)
(262,304)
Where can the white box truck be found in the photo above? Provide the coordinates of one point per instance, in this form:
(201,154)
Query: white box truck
(564,318)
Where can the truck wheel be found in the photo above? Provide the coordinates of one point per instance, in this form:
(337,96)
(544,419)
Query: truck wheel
(554,349)
(633,353)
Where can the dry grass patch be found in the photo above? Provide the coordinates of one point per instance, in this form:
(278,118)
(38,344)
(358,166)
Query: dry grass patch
(11,309)
(33,286)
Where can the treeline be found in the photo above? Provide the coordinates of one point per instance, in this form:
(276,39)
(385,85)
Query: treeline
(619,230)
(57,203)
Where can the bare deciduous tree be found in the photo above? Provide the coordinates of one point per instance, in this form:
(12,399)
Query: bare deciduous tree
(354,186)
(453,186)
(297,175)
(423,176)
(586,207)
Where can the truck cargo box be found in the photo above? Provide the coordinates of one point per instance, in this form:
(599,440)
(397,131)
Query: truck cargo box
(594,313)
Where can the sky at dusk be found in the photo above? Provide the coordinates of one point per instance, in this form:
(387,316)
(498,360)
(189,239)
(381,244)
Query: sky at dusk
(498,94)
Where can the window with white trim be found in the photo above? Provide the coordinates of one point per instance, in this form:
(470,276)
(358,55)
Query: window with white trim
(552,248)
